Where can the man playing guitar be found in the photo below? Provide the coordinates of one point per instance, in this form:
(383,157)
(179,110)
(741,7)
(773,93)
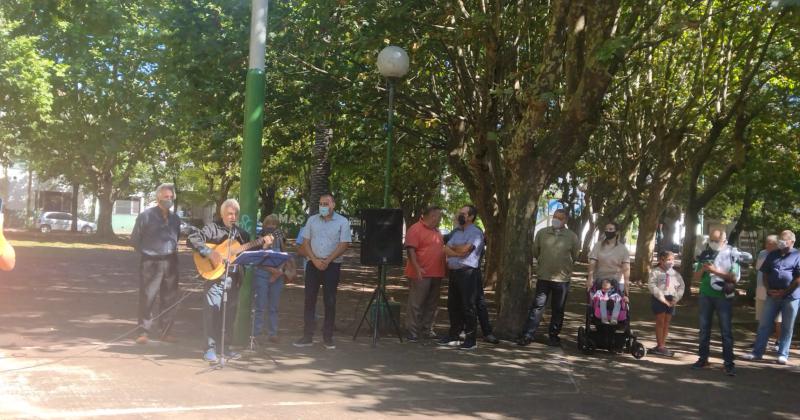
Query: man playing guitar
(203,241)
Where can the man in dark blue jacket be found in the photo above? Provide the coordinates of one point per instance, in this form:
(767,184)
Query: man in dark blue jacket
(155,238)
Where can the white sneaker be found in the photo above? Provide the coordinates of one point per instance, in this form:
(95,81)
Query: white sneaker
(750,356)
(782,360)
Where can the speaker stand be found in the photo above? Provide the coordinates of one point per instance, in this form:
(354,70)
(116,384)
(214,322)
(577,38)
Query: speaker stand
(378,298)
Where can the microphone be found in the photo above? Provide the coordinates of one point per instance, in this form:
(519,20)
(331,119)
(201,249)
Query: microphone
(234,230)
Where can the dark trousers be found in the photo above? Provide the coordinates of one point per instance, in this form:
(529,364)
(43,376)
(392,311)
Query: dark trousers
(158,277)
(483,313)
(463,288)
(329,280)
(558,292)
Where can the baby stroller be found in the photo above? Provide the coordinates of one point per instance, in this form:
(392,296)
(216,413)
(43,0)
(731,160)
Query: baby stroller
(616,338)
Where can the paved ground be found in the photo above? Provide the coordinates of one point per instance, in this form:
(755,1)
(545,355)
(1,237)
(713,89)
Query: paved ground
(65,301)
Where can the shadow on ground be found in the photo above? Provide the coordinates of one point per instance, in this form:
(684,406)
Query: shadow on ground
(62,305)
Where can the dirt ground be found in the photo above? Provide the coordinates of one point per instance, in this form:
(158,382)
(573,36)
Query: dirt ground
(66,308)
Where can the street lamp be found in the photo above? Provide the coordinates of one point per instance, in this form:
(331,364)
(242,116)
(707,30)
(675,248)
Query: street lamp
(392,64)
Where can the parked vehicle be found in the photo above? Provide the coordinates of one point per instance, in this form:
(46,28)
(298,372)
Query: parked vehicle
(56,220)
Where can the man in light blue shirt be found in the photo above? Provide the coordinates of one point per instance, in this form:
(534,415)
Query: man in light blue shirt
(463,252)
(326,237)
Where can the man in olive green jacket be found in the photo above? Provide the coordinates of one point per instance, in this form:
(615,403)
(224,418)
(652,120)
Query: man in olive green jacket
(555,248)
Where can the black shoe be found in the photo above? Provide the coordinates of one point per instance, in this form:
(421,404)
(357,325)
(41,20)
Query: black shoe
(554,341)
(304,342)
(524,340)
(468,345)
(700,364)
(491,339)
(730,370)
(412,338)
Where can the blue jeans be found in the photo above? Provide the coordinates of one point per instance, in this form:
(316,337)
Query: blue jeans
(724,309)
(267,295)
(212,313)
(772,307)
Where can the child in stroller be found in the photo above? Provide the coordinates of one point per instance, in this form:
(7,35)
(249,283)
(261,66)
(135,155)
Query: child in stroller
(607,324)
(607,303)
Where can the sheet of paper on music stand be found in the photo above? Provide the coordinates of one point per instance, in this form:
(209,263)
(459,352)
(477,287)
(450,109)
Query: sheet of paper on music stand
(262,257)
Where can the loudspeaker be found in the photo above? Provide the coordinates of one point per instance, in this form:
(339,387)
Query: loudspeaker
(383,237)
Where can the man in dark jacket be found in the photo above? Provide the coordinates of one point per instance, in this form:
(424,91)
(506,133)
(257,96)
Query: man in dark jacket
(216,233)
(155,238)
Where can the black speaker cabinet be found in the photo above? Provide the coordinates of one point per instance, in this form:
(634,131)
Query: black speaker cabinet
(383,236)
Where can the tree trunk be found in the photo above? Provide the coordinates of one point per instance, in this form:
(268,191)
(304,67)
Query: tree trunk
(105,229)
(74,207)
(28,206)
(668,220)
(175,188)
(689,243)
(494,249)
(586,248)
(744,216)
(93,214)
(267,195)
(648,222)
(321,172)
(515,257)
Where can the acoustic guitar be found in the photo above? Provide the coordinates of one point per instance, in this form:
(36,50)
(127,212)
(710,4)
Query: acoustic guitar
(207,269)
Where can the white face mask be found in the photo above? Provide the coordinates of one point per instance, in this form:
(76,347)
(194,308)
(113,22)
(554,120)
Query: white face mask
(715,246)
(668,265)
(784,245)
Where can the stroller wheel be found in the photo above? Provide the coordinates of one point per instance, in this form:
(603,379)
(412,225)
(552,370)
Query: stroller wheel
(581,338)
(590,346)
(638,350)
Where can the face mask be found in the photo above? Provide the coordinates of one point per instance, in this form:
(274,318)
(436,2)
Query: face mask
(783,244)
(167,204)
(611,235)
(462,220)
(668,265)
(269,229)
(715,246)
(324,211)
(558,224)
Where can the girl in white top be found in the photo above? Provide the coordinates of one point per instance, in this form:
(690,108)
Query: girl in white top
(666,286)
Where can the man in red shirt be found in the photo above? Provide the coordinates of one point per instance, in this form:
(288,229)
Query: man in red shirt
(425,270)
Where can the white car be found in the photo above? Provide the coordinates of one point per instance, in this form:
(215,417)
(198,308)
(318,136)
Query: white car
(56,220)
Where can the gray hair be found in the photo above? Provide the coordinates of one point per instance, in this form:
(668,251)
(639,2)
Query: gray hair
(789,234)
(166,186)
(231,202)
(772,239)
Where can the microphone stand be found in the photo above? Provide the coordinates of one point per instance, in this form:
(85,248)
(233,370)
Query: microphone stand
(226,283)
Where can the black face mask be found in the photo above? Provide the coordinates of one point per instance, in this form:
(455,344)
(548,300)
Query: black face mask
(611,235)
(462,220)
